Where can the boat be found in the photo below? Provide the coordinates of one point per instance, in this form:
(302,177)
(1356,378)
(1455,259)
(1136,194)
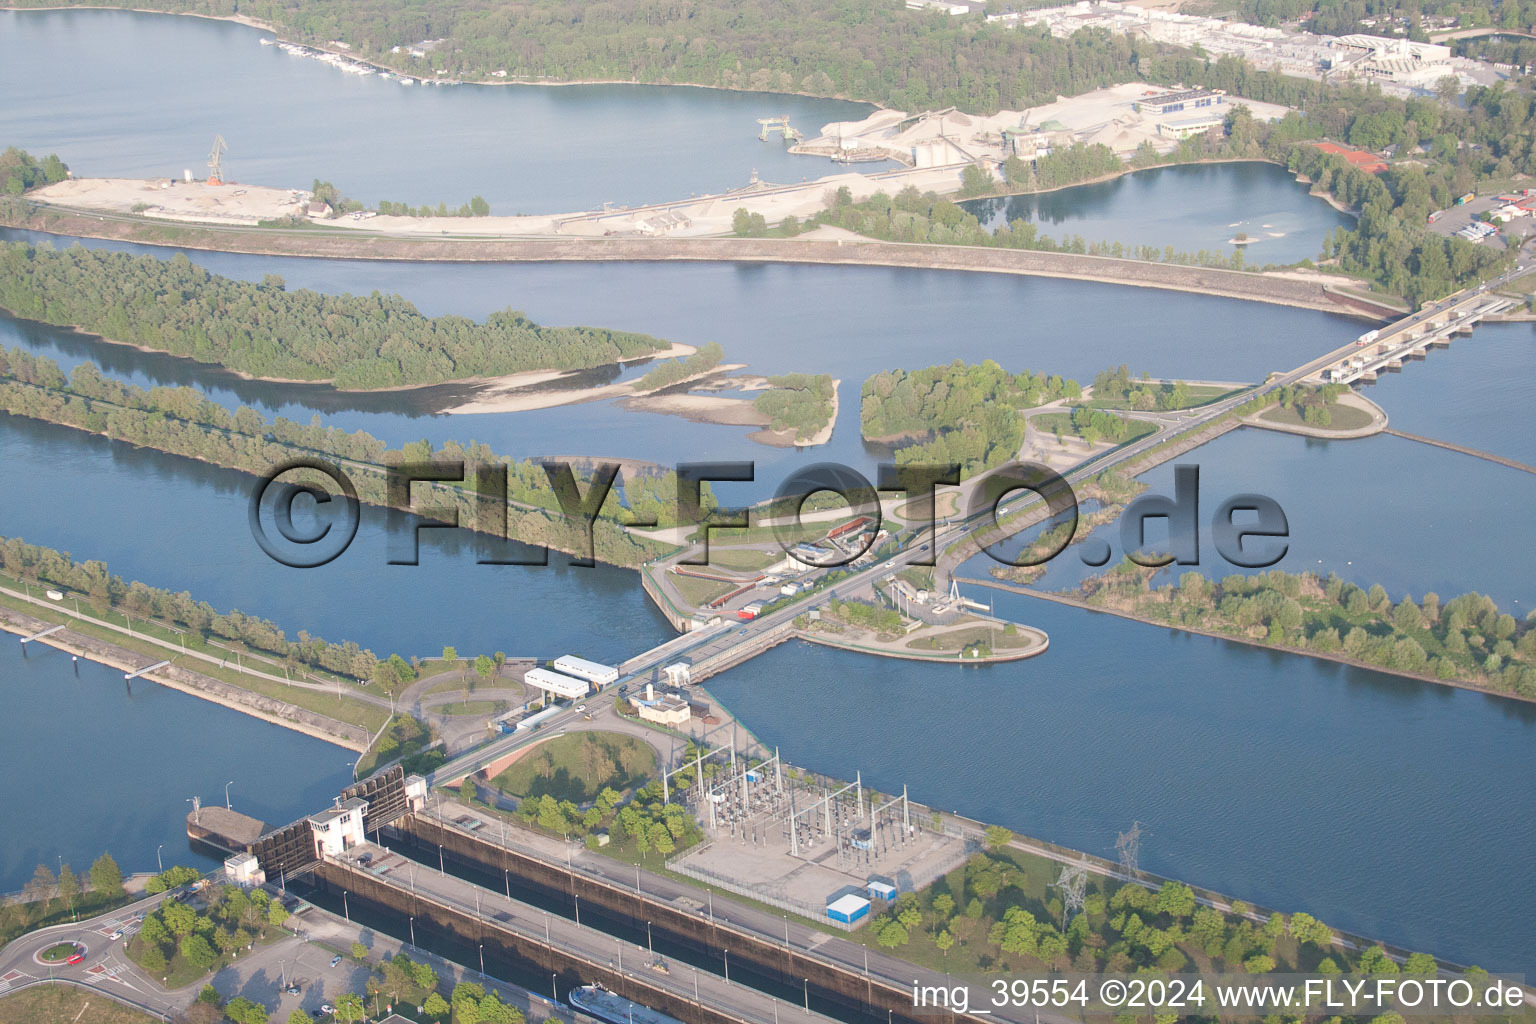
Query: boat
(596,1001)
(268,42)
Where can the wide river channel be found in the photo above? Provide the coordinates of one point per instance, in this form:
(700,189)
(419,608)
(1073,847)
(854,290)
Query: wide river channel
(1397,809)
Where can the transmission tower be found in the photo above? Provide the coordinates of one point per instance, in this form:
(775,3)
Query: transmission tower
(1073,883)
(216,162)
(1128,846)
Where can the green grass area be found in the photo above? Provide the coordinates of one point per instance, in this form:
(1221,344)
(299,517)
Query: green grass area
(338,706)
(65,1004)
(698,592)
(58,953)
(742,559)
(1342,417)
(578,766)
(472,707)
(997,638)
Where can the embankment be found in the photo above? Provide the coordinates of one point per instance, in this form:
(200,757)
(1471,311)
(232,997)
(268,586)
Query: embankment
(1287,290)
(1343,659)
(268,709)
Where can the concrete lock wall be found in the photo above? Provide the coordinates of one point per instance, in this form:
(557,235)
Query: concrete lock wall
(749,952)
(508,945)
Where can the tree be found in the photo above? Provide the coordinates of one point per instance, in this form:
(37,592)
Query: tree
(484,668)
(243,1011)
(450,659)
(277,914)
(998,837)
(467,789)
(359,951)
(349,1008)
(1259,963)
(180,919)
(198,952)
(435,1006)
(69,885)
(106,876)
(944,940)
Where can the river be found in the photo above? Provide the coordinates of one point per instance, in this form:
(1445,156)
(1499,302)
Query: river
(1395,808)
(1280,221)
(145,94)
(95,767)
(1402,810)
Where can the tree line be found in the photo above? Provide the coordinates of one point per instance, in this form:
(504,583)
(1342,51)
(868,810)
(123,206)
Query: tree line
(263,329)
(675,371)
(1467,639)
(997,915)
(913,216)
(20,172)
(49,899)
(959,413)
(107,592)
(870,50)
(183,421)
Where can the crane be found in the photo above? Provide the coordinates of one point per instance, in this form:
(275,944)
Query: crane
(216,162)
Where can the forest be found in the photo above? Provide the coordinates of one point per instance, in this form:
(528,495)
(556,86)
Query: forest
(801,402)
(873,50)
(185,422)
(261,328)
(958,413)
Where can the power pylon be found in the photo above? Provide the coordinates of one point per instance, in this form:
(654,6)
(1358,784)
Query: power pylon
(216,161)
(1128,847)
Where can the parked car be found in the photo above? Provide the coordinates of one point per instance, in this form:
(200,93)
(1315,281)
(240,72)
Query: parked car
(334,961)
(581,707)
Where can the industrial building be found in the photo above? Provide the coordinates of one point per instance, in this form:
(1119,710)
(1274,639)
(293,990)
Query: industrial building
(664,708)
(593,672)
(848,909)
(556,683)
(1174,102)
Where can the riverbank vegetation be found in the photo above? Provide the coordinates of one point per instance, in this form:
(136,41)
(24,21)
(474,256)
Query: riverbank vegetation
(106,592)
(19,172)
(957,413)
(913,216)
(1003,912)
(801,402)
(183,421)
(675,371)
(262,329)
(48,899)
(1466,640)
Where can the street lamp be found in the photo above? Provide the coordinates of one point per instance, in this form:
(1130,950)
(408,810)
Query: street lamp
(158,862)
(648,947)
(231,782)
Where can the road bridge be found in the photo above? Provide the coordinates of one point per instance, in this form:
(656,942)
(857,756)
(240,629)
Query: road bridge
(1411,337)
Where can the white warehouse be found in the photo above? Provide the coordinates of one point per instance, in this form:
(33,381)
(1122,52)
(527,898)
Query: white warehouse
(557,683)
(591,671)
